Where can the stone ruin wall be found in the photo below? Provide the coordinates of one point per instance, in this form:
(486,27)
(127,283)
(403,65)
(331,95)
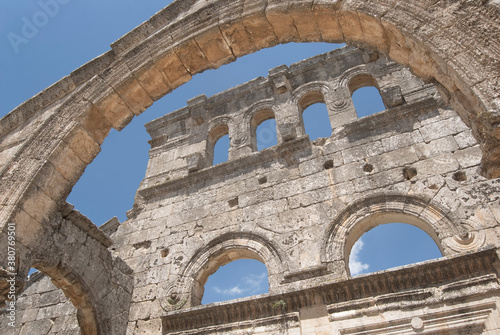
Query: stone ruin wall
(431,174)
(299,207)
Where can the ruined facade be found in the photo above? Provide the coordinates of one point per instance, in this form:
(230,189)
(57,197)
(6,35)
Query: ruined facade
(430,159)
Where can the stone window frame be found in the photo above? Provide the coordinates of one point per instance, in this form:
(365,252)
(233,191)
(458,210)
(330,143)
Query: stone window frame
(228,248)
(218,128)
(256,120)
(354,220)
(307,95)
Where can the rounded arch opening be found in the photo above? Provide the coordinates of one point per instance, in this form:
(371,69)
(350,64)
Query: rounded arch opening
(316,121)
(365,94)
(223,250)
(361,216)
(218,144)
(66,294)
(213,264)
(367,100)
(239,278)
(263,129)
(371,221)
(390,245)
(309,99)
(360,81)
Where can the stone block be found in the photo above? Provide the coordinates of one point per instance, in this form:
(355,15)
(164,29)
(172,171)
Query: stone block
(468,157)
(465,139)
(392,96)
(173,69)
(437,165)
(215,48)
(36,327)
(238,38)
(260,30)
(195,162)
(192,57)
(362,152)
(436,147)
(399,141)
(310,198)
(445,128)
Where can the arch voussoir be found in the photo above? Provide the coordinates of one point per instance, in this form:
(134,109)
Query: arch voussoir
(459,52)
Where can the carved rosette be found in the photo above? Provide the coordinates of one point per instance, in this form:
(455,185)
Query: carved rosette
(174,295)
(469,237)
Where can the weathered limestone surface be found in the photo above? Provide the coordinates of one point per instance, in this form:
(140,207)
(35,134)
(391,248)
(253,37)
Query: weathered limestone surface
(300,206)
(429,160)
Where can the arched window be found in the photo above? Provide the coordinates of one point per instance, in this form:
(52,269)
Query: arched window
(367,101)
(264,130)
(316,121)
(221,150)
(391,245)
(315,116)
(365,95)
(238,279)
(218,142)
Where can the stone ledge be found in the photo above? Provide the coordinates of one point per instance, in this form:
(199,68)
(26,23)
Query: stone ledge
(254,159)
(84,223)
(409,284)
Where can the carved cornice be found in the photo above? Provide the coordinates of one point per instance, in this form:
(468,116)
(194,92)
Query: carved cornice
(429,282)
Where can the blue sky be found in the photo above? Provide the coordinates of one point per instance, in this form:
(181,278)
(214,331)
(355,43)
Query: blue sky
(44,40)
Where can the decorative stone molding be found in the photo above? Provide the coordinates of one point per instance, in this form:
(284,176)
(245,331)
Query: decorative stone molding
(372,293)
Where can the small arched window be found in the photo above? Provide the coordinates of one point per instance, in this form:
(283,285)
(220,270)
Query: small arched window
(238,279)
(264,130)
(218,144)
(365,95)
(391,245)
(315,116)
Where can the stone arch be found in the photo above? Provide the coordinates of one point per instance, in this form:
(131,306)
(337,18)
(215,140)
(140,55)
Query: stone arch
(368,213)
(357,78)
(308,95)
(258,117)
(218,128)
(255,115)
(228,248)
(74,254)
(147,63)
(75,289)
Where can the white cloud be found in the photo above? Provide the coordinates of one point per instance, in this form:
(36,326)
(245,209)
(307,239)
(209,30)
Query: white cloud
(251,284)
(254,282)
(355,265)
(233,291)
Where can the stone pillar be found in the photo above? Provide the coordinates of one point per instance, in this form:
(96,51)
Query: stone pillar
(240,143)
(340,107)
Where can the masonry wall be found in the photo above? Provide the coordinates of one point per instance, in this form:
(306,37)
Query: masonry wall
(47,142)
(298,207)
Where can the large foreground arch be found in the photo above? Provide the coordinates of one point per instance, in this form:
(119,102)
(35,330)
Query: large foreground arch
(52,137)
